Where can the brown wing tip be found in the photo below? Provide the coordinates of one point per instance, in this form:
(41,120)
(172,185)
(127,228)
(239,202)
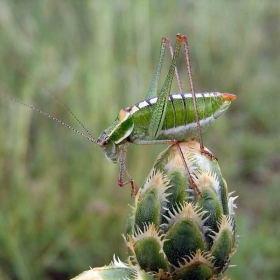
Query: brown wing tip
(228,96)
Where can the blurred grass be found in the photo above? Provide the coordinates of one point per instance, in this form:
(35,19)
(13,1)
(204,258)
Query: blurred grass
(61,210)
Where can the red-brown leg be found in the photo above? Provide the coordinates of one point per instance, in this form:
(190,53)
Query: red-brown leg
(176,143)
(134,188)
(202,148)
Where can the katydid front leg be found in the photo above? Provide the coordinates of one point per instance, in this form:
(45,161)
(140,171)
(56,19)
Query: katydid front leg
(134,188)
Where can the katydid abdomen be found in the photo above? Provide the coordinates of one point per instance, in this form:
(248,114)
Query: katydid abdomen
(180,121)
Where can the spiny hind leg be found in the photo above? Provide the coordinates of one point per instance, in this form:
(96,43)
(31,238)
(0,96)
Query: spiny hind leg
(154,85)
(171,51)
(209,154)
(188,63)
(153,90)
(159,110)
(206,152)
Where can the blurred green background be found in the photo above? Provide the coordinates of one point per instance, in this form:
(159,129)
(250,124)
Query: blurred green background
(61,209)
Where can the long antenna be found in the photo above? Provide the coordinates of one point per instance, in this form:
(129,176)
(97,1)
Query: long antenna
(22,68)
(91,139)
(68,109)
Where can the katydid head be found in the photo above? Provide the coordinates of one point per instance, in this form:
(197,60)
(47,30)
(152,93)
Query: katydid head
(109,147)
(112,139)
(222,101)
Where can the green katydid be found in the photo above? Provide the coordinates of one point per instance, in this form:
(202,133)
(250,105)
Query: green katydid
(161,118)
(166,118)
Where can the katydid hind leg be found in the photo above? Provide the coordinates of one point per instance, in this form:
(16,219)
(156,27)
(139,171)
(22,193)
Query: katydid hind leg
(154,85)
(187,55)
(176,69)
(158,114)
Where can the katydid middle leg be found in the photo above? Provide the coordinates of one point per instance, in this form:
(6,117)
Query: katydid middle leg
(177,144)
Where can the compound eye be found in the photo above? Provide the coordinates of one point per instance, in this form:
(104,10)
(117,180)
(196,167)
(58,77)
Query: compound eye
(105,143)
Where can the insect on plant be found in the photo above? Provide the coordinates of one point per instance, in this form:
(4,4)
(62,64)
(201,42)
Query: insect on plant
(161,118)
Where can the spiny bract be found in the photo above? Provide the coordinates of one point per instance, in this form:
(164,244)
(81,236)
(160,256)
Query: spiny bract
(174,233)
